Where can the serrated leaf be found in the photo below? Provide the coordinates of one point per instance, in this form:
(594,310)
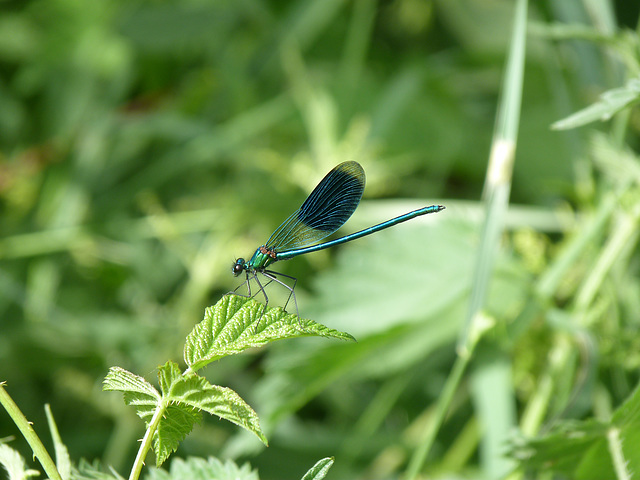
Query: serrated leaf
(168,374)
(564,449)
(319,470)
(120,380)
(137,391)
(186,397)
(175,425)
(195,392)
(92,471)
(236,323)
(14,464)
(582,450)
(203,469)
(628,414)
(610,103)
(180,404)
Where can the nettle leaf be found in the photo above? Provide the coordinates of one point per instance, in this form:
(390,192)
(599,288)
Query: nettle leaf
(179,407)
(193,393)
(201,469)
(14,464)
(93,471)
(610,103)
(563,450)
(175,425)
(231,326)
(137,391)
(589,449)
(319,470)
(236,323)
(628,414)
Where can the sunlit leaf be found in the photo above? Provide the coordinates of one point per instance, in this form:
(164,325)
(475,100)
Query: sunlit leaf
(180,405)
(610,103)
(203,469)
(319,470)
(192,392)
(137,391)
(589,449)
(14,464)
(235,324)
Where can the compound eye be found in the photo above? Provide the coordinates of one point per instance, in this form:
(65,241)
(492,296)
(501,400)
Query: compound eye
(238,267)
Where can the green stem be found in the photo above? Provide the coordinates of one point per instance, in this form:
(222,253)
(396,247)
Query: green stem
(146,442)
(444,401)
(625,234)
(550,281)
(536,409)
(29,434)
(479,326)
(615,448)
(500,169)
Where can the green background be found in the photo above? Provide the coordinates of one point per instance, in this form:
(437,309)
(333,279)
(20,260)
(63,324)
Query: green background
(144,145)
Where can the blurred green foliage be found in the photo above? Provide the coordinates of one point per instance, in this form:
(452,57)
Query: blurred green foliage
(144,145)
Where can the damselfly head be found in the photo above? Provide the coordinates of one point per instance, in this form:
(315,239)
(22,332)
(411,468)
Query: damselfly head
(238,267)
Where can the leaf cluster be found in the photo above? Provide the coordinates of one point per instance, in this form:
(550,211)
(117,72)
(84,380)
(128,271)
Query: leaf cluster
(232,326)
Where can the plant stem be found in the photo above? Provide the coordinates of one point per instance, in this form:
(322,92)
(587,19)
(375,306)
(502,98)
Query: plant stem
(479,326)
(146,442)
(444,401)
(29,434)
(536,408)
(615,448)
(624,235)
(548,283)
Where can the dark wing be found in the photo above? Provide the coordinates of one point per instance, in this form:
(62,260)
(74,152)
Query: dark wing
(325,210)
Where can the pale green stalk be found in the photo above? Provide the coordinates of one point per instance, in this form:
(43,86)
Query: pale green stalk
(496,196)
(29,434)
(147,440)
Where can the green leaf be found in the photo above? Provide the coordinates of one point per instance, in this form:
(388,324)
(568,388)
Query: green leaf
(193,393)
(179,406)
(177,422)
(137,391)
(236,323)
(587,450)
(14,464)
(201,469)
(610,103)
(63,461)
(565,449)
(93,471)
(319,470)
(182,400)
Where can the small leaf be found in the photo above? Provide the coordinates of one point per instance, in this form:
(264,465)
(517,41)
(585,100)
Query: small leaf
(197,392)
(235,324)
(565,450)
(628,414)
(93,471)
(175,425)
(137,391)
(201,469)
(121,380)
(583,450)
(610,103)
(14,464)
(168,375)
(180,405)
(319,470)
(194,392)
